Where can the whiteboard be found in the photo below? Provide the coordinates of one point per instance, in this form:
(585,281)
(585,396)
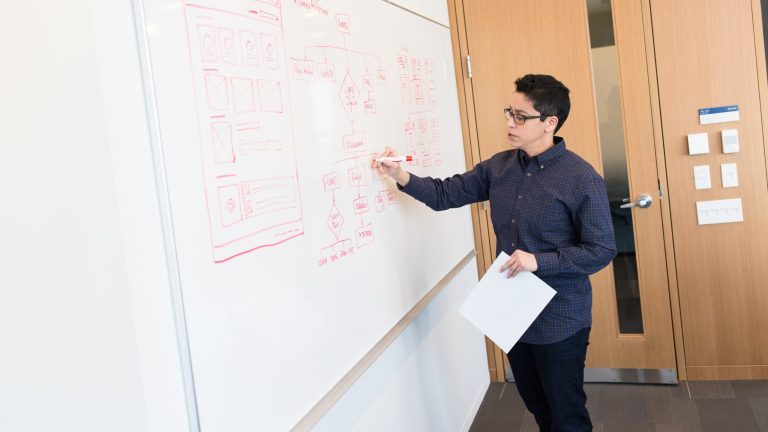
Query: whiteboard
(294,257)
(434,10)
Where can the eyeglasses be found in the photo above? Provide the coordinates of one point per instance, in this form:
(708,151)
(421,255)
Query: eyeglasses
(521,118)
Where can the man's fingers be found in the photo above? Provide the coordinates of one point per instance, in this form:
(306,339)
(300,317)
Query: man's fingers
(511,267)
(387,152)
(514,265)
(507,264)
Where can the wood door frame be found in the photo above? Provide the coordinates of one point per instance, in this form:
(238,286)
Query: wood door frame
(666,214)
(480,223)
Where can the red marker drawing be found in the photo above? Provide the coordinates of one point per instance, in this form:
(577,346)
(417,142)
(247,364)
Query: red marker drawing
(394,159)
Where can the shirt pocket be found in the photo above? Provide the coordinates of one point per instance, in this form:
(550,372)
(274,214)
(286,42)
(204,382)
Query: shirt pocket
(550,219)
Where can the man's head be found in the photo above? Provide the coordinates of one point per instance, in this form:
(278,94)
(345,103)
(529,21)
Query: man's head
(537,110)
(548,95)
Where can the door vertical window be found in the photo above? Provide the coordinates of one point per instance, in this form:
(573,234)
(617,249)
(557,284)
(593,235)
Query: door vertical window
(607,94)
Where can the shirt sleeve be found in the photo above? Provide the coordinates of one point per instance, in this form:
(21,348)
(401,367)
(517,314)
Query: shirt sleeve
(452,192)
(596,246)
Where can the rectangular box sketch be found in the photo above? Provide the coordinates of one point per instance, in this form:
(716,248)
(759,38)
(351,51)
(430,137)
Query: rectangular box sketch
(230,207)
(221,141)
(217,92)
(270,96)
(242,95)
(207,37)
(249,48)
(227,44)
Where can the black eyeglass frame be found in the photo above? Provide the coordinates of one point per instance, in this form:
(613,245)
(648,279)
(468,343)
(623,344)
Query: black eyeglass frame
(509,115)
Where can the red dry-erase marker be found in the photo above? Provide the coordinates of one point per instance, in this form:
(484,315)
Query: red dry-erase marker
(395,159)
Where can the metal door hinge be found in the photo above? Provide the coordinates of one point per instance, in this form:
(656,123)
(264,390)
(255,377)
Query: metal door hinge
(469,67)
(661,191)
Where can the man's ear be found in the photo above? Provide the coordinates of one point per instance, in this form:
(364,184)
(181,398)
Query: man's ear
(551,122)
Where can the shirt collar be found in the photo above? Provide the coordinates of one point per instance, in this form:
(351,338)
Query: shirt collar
(546,158)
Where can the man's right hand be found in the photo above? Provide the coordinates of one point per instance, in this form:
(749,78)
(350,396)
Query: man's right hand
(391,169)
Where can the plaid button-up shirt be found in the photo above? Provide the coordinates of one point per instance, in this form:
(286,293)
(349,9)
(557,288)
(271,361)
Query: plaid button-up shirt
(554,206)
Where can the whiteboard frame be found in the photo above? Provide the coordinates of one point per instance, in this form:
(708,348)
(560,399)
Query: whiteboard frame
(348,380)
(166,215)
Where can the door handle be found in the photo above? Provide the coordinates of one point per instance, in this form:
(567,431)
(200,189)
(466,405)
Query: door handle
(643,201)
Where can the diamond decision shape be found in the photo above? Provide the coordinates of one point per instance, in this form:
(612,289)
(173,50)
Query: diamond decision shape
(335,220)
(349,94)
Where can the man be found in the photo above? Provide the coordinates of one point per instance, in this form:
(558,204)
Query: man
(550,212)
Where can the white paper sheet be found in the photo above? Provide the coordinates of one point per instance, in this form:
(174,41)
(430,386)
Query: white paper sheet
(503,308)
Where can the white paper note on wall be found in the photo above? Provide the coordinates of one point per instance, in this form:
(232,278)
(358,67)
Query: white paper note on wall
(698,143)
(730,140)
(721,114)
(719,211)
(701,177)
(730,175)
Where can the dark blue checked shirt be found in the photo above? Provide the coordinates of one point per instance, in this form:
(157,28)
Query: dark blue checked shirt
(553,205)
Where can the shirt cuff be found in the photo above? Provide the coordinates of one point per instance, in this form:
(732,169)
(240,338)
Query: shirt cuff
(547,262)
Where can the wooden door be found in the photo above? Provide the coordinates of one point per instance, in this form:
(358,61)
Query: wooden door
(506,40)
(709,54)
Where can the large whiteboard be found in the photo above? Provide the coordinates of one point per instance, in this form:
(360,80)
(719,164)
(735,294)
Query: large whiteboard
(294,257)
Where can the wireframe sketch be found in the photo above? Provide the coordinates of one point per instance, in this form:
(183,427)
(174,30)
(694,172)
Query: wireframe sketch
(239,68)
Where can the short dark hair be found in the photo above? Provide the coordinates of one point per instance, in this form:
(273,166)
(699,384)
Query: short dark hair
(549,96)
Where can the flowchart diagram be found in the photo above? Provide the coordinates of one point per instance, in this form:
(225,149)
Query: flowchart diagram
(244,74)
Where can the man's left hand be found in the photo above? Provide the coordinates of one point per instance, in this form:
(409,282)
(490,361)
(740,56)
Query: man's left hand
(519,261)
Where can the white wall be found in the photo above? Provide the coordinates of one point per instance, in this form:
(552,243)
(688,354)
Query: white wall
(84,316)
(87,339)
(68,351)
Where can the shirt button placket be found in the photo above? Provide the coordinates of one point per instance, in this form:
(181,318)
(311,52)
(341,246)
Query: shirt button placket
(515,207)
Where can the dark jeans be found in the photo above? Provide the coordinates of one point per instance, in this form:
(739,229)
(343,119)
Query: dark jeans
(550,379)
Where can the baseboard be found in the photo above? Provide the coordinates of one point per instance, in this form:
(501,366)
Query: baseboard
(727,372)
